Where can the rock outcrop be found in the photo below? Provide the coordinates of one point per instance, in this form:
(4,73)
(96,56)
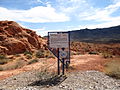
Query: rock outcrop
(15,39)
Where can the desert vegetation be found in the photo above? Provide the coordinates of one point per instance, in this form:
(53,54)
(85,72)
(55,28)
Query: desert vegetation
(3,59)
(10,62)
(107,50)
(112,68)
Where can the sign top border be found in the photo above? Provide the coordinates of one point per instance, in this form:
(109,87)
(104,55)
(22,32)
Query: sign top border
(58,45)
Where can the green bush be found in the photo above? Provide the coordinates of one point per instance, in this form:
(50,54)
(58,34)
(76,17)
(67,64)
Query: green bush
(40,54)
(95,53)
(112,68)
(27,52)
(33,61)
(28,56)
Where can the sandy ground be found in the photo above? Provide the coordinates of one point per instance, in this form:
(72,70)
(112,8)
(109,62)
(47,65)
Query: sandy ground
(78,62)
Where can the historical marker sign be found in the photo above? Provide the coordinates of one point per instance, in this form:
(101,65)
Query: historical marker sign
(59,45)
(60,40)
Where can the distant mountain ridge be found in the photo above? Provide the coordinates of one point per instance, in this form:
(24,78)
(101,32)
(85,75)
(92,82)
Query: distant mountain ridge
(98,35)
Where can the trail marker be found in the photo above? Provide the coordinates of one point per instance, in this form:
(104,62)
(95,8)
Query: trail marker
(59,45)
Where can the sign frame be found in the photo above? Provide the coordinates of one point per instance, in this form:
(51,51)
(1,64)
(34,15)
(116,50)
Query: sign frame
(59,40)
(65,61)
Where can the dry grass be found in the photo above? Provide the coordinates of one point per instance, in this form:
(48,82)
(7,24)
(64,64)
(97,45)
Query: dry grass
(107,55)
(112,68)
(20,60)
(33,61)
(44,54)
(40,54)
(14,65)
(3,59)
(45,74)
(1,68)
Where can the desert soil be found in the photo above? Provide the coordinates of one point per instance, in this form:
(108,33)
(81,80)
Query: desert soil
(83,74)
(78,62)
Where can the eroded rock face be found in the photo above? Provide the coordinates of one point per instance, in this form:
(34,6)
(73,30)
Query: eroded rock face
(14,39)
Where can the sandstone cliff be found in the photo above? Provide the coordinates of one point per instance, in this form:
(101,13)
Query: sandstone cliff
(15,39)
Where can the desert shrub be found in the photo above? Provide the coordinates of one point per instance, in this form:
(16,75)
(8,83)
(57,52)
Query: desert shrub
(19,63)
(112,68)
(17,55)
(28,31)
(1,68)
(16,65)
(48,54)
(3,59)
(27,52)
(95,53)
(33,61)
(28,56)
(77,53)
(40,54)
(107,55)
(72,53)
(45,75)
(49,78)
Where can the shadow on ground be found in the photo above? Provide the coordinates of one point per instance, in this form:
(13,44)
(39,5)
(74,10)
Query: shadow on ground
(56,80)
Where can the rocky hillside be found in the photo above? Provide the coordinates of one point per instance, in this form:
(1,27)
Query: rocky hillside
(93,48)
(99,35)
(15,39)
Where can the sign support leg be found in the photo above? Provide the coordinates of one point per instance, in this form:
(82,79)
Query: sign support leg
(58,63)
(63,66)
(58,66)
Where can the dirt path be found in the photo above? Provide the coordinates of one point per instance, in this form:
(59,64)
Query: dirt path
(78,62)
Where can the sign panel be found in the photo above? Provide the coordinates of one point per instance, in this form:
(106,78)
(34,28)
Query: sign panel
(60,40)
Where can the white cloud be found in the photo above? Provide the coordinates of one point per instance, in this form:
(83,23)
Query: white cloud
(103,14)
(37,14)
(71,6)
(93,26)
(116,1)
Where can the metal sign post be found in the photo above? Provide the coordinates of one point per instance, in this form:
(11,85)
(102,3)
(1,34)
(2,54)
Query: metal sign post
(58,63)
(59,45)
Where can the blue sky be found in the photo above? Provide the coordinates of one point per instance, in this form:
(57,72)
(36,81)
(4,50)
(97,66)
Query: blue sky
(61,15)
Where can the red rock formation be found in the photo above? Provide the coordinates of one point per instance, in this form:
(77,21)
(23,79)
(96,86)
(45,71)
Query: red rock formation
(14,39)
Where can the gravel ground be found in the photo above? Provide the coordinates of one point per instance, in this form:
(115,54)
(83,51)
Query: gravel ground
(87,80)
